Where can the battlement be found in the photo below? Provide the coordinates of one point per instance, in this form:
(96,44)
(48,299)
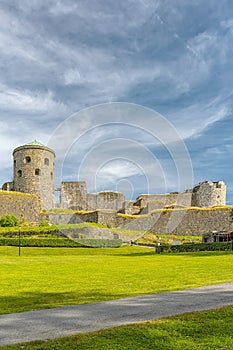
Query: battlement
(33,173)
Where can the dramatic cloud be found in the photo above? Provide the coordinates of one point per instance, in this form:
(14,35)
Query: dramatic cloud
(58,57)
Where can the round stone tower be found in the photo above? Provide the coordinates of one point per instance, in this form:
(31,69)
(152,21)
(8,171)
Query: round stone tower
(209,194)
(34,172)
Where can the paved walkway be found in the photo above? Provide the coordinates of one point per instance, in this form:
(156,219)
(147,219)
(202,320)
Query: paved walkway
(59,322)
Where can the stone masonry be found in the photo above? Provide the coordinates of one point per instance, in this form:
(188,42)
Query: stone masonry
(34,172)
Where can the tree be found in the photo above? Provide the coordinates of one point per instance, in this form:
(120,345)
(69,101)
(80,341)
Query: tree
(8,220)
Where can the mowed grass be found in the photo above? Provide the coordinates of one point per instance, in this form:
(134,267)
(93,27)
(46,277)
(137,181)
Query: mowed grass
(52,277)
(199,330)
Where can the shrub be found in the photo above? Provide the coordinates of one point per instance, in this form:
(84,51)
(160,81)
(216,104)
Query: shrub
(196,247)
(9,220)
(99,243)
(50,241)
(43,224)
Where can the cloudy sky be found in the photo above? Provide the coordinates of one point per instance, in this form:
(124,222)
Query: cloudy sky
(58,59)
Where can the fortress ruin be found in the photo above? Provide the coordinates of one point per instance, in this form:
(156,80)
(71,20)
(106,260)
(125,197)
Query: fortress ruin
(34,174)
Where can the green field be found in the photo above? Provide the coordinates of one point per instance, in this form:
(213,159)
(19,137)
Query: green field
(52,277)
(208,330)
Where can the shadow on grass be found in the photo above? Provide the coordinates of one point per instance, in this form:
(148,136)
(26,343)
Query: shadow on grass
(203,253)
(30,301)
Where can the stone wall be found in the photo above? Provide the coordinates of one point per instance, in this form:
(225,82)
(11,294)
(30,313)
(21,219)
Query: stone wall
(162,200)
(179,222)
(20,205)
(110,200)
(72,218)
(34,172)
(92,200)
(107,200)
(182,222)
(130,208)
(73,195)
(194,222)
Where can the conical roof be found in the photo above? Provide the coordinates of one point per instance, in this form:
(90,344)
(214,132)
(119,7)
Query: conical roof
(33,144)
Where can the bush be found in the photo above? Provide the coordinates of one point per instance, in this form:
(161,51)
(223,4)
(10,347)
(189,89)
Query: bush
(43,224)
(9,220)
(99,243)
(51,241)
(197,247)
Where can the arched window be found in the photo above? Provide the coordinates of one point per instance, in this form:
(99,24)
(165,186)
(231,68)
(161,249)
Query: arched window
(19,173)
(51,175)
(37,171)
(27,159)
(46,161)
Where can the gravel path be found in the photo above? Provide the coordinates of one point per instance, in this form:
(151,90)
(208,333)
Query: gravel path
(59,322)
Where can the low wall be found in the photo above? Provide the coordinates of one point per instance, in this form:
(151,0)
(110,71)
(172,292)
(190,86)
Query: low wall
(181,199)
(72,218)
(180,222)
(21,205)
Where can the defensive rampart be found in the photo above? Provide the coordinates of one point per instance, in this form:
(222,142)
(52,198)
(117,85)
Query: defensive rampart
(23,206)
(179,222)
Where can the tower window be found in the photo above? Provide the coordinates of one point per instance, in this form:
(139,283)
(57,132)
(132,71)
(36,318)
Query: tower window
(19,173)
(46,161)
(14,162)
(51,175)
(27,159)
(37,171)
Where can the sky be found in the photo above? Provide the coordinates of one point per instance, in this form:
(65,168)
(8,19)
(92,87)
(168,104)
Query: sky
(132,95)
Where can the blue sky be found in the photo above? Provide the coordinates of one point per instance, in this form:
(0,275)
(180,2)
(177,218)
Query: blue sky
(174,57)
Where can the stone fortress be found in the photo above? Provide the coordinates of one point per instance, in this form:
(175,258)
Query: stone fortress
(34,174)
(30,196)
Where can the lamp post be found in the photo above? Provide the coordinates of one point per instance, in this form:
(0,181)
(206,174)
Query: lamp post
(19,240)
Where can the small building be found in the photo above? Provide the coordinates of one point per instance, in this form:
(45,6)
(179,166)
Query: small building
(215,236)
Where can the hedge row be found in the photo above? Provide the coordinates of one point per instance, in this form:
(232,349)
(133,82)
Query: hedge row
(54,241)
(195,247)
(38,242)
(100,243)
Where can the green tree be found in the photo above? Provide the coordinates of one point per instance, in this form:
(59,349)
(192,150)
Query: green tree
(8,220)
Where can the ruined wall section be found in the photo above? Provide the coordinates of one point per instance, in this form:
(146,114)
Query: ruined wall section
(23,206)
(157,201)
(130,208)
(8,186)
(73,195)
(92,200)
(106,200)
(209,194)
(190,222)
(109,200)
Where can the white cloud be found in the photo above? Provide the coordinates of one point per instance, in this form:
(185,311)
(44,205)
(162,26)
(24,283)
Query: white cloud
(228,24)
(72,77)
(193,121)
(26,101)
(118,169)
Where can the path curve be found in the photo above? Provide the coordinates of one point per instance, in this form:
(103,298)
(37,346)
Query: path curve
(63,321)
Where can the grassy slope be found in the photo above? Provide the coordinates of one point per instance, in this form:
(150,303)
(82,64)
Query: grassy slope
(132,234)
(51,277)
(200,330)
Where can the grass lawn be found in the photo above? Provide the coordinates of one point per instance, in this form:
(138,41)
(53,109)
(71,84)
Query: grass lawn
(52,277)
(199,330)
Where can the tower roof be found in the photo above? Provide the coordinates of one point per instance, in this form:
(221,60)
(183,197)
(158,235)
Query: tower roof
(34,144)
